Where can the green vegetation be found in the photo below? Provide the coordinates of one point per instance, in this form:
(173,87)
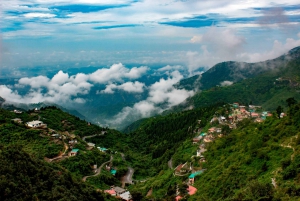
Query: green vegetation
(27,178)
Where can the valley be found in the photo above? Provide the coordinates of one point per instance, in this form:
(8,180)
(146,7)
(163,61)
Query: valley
(233,142)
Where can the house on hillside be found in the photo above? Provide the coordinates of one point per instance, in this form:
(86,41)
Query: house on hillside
(102,149)
(18,112)
(193,175)
(91,145)
(36,124)
(191,191)
(212,130)
(126,196)
(254,115)
(112,192)
(209,138)
(197,139)
(74,152)
(183,169)
(17,120)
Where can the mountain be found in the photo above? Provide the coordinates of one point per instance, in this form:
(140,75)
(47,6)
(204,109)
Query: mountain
(232,71)
(268,88)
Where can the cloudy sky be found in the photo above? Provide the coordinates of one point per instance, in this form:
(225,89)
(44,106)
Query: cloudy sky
(194,33)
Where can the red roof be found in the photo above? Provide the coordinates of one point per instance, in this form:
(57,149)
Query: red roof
(111,191)
(178,198)
(179,167)
(192,190)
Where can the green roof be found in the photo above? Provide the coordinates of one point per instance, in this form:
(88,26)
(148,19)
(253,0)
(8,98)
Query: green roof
(195,174)
(75,150)
(203,134)
(113,171)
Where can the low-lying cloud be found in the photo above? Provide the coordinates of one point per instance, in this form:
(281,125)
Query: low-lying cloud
(131,87)
(162,95)
(63,88)
(223,44)
(226,83)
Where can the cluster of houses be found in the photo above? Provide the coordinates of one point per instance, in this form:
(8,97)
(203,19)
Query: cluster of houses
(119,192)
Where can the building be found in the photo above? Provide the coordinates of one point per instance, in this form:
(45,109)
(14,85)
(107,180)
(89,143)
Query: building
(36,124)
(92,145)
(17,120)
(102,149)
(126,196)
(74,152)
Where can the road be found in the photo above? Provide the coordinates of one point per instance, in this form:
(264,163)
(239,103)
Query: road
(90,136)
(98,170)
(170,164)
(127,178)
(62,155)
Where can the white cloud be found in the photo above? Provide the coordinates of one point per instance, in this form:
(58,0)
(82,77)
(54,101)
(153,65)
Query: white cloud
(226,83)
(160,93)
(277,50)
(117,72)
(131,87)
(39,15)
(170,68)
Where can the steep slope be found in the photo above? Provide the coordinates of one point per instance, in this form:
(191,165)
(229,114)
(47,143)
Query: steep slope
(26,178)
(236,71)
(254,162)
(268,89)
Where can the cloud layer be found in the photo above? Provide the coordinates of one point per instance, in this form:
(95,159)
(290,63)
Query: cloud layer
(63,88)
(162,95)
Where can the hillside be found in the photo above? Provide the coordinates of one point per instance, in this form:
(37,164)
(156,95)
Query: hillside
(256,161)
(236,71)
(41,156)
(269,89)
(27,178)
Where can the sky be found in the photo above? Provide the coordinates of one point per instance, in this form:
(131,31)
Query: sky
(194,33)
(124,39)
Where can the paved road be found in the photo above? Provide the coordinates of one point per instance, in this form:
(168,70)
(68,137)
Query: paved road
(98,170)
(127,178)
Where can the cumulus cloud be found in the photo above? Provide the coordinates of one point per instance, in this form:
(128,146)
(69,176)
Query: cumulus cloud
(131,87)
(62,88)
(226,83)
(162,95)
(117,72)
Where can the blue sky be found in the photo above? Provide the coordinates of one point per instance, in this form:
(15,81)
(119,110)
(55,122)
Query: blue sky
(192,33)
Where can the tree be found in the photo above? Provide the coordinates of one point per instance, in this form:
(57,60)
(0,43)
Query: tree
(279,111)
(291,101)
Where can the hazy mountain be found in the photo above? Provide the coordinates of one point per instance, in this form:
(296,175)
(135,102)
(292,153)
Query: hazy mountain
(229,72)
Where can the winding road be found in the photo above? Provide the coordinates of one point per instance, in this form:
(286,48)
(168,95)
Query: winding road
(127,178)
(98,170)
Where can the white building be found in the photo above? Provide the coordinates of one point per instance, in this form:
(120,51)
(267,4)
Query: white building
(35,124)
